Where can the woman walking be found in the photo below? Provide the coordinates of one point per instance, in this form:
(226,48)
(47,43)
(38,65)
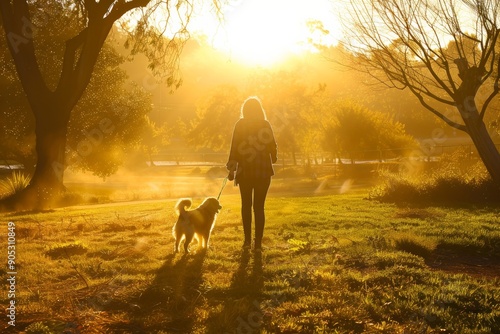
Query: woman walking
(252,154)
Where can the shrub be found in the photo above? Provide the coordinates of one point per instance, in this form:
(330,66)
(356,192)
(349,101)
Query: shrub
(14,183)
(457,178)
(38,328)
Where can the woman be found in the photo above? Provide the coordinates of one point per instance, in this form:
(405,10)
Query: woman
(253,152)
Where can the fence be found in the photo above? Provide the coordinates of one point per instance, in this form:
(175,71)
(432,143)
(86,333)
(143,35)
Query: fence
(425,152)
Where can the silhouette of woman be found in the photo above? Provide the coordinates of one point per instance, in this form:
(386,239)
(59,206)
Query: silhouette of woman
(252,154)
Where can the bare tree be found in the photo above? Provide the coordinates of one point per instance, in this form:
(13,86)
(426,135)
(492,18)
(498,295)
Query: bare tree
(443,51)
(157,28)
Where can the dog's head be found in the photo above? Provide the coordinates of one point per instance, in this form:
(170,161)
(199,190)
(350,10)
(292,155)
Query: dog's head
(212,204)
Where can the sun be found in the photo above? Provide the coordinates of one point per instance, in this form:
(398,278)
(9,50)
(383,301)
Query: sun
(265,32)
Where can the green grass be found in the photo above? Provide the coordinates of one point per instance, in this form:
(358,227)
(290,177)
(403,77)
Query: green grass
(331,264)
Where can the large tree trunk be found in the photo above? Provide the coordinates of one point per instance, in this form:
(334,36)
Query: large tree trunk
(50,148)
(482,140)
(47,181)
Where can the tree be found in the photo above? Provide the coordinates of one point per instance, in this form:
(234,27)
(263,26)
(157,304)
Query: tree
(358,132)
(152,30)
(216,116)
(153,138)
(443,51)
(109,98)
(285,98)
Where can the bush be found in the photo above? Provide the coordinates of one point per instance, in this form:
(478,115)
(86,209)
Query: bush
(14,183)
(457,178)
(38,328)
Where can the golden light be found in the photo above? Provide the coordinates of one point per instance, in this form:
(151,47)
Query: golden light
(265,32)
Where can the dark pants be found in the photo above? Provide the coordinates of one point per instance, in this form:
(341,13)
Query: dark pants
(258,188)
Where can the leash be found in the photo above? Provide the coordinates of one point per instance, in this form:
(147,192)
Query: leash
(223,185)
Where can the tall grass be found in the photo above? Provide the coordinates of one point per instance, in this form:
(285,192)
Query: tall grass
(14,183)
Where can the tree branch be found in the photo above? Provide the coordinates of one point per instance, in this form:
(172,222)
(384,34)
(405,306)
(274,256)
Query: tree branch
(437,113)
(78,71)
(19,34)
(496,90)
(69,59)
(121,8)
(7,16)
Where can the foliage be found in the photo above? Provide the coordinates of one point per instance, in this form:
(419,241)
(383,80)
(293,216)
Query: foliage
(430,48)
(38,328)
(14,183)
(304,119)
(103,132)
(52,99)
(153,138)
(360,133)
(106,123)
(457,178)
(216,115)
(285,100)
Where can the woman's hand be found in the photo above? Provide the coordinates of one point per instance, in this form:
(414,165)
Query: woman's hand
(231,166)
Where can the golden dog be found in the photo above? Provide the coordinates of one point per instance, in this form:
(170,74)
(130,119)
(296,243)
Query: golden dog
(197,223)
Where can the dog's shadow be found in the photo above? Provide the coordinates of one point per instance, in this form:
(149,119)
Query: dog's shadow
(172,296)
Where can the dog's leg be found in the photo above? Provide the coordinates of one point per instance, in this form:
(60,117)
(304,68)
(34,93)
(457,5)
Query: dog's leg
(189,238)
(178,240)
(178,235)
(201,241)
(206,239)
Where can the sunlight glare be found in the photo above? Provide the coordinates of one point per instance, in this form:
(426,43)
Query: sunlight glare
(264,32)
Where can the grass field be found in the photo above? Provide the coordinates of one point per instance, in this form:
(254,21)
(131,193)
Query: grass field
(335,263)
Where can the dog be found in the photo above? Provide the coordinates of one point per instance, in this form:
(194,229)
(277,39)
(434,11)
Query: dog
(197,223)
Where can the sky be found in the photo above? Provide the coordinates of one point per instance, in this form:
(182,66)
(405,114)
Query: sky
(263,32)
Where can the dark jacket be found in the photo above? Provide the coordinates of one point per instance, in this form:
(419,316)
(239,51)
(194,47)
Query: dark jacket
(253,148)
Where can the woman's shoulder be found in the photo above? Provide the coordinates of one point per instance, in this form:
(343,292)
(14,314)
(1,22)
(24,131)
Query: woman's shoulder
(253,122)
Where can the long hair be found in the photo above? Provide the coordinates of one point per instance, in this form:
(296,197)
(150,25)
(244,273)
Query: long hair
(252,109)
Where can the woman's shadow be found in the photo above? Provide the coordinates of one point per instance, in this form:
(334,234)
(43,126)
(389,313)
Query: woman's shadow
(242,312)
(248,280)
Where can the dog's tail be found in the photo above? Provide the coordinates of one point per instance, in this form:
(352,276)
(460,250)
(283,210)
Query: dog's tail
(182,205)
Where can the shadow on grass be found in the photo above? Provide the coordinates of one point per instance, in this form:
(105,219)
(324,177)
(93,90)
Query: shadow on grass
(240,305)
(169,303)
(475,262)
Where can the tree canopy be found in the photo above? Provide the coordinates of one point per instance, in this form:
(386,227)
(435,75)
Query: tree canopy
(109,98)
(153,30)
(444,52)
